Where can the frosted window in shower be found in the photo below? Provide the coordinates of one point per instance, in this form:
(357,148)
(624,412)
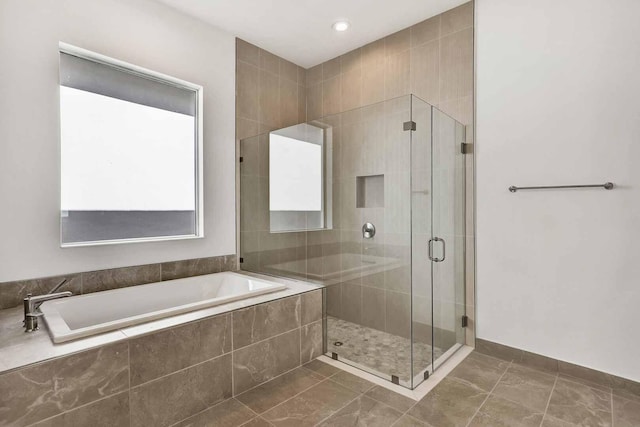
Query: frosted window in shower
(296,178)
(129,155)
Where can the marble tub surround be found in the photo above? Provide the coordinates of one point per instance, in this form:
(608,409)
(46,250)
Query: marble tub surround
(597,379)
(162,377)
(18,349)
(12,293)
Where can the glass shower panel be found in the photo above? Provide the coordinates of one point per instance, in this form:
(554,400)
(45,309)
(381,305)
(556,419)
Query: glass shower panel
(261,249)
(387,197)
(447,243)
(369,306)
(421,313)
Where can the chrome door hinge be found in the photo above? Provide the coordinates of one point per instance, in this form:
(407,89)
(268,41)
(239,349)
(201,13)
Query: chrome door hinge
(411,125)
(465,321)
(241,260)
(241,159)
(466,148)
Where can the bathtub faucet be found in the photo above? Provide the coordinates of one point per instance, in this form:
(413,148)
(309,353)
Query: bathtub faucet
(32,303)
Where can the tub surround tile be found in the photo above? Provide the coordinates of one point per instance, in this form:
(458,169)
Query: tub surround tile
(263,361)
(310,341)
(579,404)
(280,389)
(173,398)
(229,262)
(311,307)
(108,412)
(12,293)
(229,413)
(498,412)
(114,278)
(311,406)
(41,391)
(264,321)
(175,373)
(18,349)
(363,412)
(164,352)
(190,267)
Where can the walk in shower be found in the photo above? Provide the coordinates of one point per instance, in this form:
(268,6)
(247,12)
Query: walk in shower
(370,203)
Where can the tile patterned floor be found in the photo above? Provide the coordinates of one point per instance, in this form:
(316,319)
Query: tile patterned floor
(383,352)
(481,391)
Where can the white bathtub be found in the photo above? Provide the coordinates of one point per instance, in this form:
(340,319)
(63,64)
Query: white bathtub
(85,315)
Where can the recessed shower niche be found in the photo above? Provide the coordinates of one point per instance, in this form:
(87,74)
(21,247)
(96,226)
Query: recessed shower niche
(370,191)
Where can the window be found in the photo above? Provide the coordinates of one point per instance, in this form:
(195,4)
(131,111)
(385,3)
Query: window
(296,178)
(130,152)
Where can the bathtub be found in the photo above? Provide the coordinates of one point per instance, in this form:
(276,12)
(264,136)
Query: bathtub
(85,315)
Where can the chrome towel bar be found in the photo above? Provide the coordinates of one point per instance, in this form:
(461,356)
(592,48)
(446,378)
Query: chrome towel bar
(606,186)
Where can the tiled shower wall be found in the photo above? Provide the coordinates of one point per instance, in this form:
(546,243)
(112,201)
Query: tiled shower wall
(12,293)
(163,378)
(432,60)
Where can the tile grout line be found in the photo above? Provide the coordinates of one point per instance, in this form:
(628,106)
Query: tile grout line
(294,396)
(611,406)
(78,407)
(282,374)
(179,370)
(342,407)
(544,414)
(254,412)
(489,394)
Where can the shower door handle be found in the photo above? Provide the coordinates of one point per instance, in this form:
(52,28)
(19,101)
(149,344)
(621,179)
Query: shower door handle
(444,249)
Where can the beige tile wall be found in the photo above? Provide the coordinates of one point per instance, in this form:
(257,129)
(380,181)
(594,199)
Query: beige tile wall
(432,60)
(270,95)
(269,91)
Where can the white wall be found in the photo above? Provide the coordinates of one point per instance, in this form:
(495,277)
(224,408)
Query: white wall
(141,32)
(558,102)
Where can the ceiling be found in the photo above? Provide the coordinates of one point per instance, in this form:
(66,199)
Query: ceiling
(300,30)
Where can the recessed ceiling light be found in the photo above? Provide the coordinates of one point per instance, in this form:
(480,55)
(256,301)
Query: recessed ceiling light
(341,25)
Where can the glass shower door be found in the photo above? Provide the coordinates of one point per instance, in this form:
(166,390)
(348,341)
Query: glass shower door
(446,246)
